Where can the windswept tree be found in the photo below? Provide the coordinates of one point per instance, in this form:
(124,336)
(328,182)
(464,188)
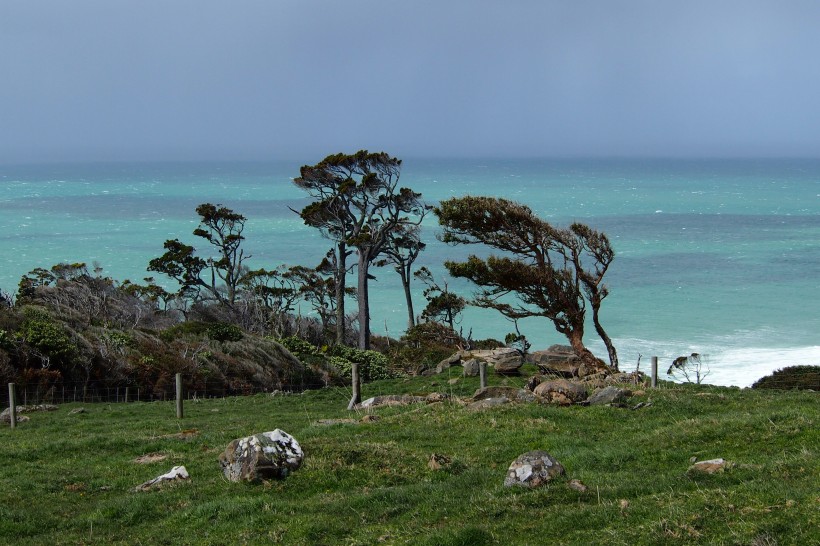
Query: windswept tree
(358,204)
(552,273)
(401,251)
(222,228)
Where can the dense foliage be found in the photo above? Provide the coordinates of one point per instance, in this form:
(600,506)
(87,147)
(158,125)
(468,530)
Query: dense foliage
(544,271)
(791,377)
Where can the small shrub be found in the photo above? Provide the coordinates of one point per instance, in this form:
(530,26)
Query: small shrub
(298,346)
(119,339)
(224,332)
(792,377)
(373,364)
(6,341)
(191,328)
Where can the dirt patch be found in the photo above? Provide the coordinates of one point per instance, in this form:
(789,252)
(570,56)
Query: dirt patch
(150,458)
(184,435)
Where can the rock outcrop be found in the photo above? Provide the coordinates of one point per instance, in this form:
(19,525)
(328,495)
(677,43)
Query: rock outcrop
(262,456)
(513,394)
(557,360)
(401,400)
(505,360)
(5,415)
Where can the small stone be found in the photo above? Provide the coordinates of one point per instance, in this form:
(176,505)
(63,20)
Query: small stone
(712,466)
(577,485)
(438,461)
(178,473)
(434,397)
(75,411)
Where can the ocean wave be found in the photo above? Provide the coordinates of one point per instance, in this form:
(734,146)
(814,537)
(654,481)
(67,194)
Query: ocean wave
(731,361)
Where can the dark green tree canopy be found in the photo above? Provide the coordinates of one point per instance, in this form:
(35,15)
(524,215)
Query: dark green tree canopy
(222,228)
(549,272)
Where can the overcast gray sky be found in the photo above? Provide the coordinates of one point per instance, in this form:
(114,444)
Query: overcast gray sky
(264,79)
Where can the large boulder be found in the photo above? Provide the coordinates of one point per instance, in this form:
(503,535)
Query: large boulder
(262,456)
(452,360)
(561,392)
(487,403)
(471,368)
(557,360)
(505,360)
(609,395)
(533,469)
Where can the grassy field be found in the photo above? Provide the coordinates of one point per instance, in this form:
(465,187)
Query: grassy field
(70,479)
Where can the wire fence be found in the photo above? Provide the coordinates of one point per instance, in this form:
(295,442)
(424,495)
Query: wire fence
(64,392)
(68,392)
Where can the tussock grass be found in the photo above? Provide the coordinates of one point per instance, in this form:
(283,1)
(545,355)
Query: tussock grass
(70,479)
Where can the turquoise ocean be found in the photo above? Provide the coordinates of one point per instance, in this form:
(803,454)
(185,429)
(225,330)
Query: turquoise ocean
(718,257)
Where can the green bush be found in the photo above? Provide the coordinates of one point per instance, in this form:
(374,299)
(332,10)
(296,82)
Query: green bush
(191,328)
(792,377)
(221,331)
(120,339)
(40,331)
(6,341)
(373,365)
(298,346)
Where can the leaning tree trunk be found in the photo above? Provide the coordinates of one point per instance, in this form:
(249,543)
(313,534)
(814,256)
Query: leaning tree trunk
(340,264)
(610,348)
(589,361)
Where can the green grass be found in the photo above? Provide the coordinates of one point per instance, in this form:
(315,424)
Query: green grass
(70,479)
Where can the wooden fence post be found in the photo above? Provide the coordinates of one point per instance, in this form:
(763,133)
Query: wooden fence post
(654,382)
(179,396)
(482,374)
(12,406)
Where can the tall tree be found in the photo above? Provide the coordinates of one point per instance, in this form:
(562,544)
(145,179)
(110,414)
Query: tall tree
(359,205)
(401,251)
(222,228)
(552,272)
